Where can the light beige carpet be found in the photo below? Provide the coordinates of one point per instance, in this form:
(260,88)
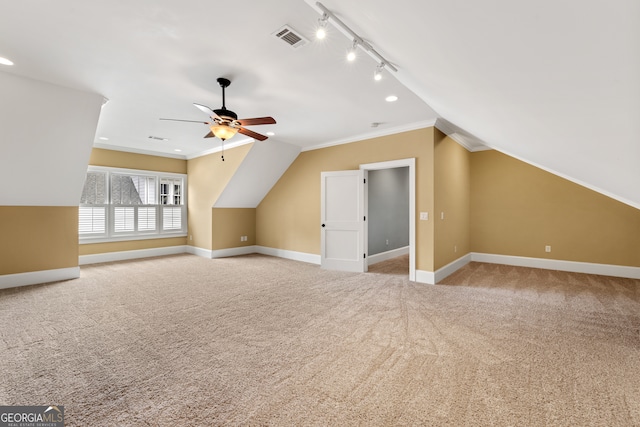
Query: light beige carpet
(255,340)
(396,266)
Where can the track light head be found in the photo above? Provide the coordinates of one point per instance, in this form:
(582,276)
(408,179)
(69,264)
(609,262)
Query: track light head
(322,26)
(351,53)
(377,75)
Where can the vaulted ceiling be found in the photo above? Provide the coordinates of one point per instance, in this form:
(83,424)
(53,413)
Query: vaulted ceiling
(553,83)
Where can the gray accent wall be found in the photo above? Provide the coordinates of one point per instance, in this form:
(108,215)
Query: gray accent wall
(388,217)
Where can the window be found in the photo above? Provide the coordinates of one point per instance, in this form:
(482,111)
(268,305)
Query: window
(118,204)
(93,208)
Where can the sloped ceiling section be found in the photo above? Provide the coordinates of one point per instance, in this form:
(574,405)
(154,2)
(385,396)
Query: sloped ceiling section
(46,135)
(552,83)
(260,170)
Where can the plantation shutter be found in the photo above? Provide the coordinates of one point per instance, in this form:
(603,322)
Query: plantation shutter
(171,218)
(93,219)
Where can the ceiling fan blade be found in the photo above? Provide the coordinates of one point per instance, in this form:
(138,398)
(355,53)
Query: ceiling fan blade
(208,111)
(252,134)
(209,135)
(191,121)
(257,121)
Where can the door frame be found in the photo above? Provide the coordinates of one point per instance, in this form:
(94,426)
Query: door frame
(411,163)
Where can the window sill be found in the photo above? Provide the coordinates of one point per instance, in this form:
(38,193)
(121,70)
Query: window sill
(166,235)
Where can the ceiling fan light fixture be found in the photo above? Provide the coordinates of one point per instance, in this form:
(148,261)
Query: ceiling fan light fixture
(223,131)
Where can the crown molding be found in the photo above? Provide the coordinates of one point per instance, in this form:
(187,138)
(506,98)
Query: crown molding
(470,143)
(228,146)
(374,134)
(137,151)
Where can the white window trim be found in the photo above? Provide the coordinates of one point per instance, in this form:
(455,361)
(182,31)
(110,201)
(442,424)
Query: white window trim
(111,236)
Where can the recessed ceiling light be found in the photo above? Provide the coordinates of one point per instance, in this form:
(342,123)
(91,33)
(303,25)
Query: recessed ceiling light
(178,150)
(5,61)
(104,138)
(391,98)
(270,133)
(158,138)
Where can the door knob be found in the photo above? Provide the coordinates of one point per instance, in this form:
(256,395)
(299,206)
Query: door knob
(323,225)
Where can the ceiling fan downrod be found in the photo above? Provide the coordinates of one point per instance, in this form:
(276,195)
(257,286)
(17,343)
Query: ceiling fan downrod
(223,112)
(224,83)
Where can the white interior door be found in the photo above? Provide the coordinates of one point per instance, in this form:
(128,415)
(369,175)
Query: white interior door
(343,219)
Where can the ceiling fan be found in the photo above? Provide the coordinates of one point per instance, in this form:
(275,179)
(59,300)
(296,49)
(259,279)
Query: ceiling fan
(225,123)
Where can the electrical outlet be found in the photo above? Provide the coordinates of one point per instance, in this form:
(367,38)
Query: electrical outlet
(424,216)
(387,243)
(547,248)
(191,237)
(441,215)
(455,248)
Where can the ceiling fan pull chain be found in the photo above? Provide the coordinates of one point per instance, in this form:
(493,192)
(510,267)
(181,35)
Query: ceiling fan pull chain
(222,150)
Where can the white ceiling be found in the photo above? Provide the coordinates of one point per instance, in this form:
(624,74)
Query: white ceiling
(553,83)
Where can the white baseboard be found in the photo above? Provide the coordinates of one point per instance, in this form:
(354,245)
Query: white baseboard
(452,267)
(37,277)
(427,277)
(204,253)
(127,255)
(383,256)
(241,250)
(256,249)
(293,255)
(554,264)
(431,278)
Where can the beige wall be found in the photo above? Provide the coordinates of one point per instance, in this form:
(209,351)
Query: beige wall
(517,209)
(492,203)
(228,224)
(121,159)
(452,197)
(36,238)
(289,216)
(208,176)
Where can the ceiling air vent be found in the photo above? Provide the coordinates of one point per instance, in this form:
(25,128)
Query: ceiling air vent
(290,36)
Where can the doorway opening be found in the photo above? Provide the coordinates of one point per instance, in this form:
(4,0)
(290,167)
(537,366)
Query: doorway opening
(401,210)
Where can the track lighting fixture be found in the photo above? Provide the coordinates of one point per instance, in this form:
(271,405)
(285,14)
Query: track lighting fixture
(351,53)
(377,75)
(322,26)
(328,16)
